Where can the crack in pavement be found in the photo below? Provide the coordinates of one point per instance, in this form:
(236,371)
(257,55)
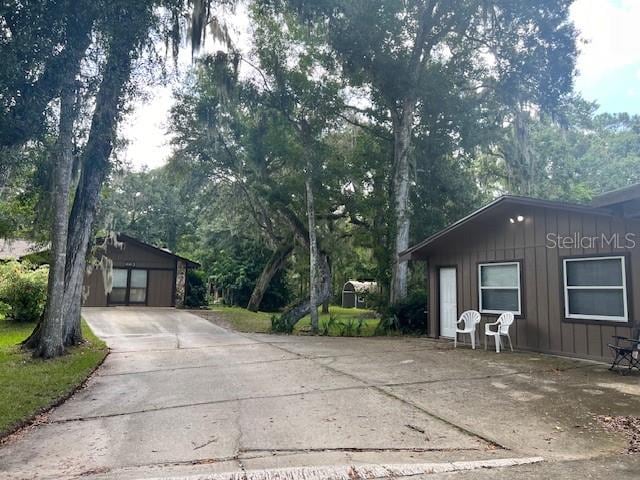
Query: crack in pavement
(203,347)
(358,450)
(364,386)
(197,404)
(196,367)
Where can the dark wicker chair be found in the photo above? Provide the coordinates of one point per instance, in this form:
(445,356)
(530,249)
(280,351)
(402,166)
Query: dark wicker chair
(626,354)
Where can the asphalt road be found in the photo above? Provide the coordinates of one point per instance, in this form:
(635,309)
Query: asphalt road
(181,397)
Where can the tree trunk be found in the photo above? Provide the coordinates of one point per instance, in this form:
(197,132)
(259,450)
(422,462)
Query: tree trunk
(273,266)
(48,343)
(294,314)
(401,183)
(325,306)
(313,250)
(95,167)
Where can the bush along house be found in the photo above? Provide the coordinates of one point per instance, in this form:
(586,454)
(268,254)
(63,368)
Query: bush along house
(570,273)
(131,272)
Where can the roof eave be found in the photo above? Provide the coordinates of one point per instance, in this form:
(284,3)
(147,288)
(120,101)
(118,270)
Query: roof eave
(413,253)
(616,197)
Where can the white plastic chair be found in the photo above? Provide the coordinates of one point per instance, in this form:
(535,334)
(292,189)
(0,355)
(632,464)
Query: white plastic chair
(502,330)
(471,319)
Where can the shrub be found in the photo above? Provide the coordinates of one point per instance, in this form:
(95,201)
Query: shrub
(279,325)
(4,310)
(407,316)
(378,301)
(196,290)
(23,291)
(327,325)
(351,327)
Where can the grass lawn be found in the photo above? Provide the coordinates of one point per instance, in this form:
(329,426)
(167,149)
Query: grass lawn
(346,321)
(27,385)
(243,320)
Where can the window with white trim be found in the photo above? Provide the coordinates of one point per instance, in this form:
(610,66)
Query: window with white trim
(595,288)
(499,287)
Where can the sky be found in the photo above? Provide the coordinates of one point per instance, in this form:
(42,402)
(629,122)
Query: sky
(608,72)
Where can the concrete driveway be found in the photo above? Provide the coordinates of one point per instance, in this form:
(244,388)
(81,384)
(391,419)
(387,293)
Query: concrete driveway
(182,397)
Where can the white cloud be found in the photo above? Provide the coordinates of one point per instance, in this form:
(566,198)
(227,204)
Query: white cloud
(610,27)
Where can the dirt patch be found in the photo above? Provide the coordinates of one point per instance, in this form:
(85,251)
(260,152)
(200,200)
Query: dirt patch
(628,425)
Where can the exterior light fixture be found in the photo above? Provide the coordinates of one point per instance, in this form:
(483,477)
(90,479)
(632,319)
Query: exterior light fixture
(520,218)
(512,220)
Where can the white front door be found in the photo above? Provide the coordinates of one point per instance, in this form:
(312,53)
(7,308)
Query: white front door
(448,302)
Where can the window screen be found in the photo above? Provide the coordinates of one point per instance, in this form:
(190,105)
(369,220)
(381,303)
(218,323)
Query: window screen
(119,286)
(138,290)
(595,288)
(499,287)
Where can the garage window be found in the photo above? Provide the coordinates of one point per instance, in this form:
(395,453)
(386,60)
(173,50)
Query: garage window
(129,286)
(119,289)
(138,289)
(499,290)
(595,288)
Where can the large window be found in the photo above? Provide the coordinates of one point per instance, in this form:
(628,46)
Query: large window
(595,289)
(129,286)
(499,287)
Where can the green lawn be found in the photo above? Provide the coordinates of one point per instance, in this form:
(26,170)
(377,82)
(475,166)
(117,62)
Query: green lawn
(243,320)
(347,321)
(28,386)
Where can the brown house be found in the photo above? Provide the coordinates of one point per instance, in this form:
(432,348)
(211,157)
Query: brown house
(141,275)
(570,273)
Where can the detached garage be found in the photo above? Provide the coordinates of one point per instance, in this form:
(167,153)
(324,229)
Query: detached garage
(131,272)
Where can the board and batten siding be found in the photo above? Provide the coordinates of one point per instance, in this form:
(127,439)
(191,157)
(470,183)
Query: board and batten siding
(161,275)
(542,325)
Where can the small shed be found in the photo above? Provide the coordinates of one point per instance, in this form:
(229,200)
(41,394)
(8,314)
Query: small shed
(354,293)
(139,274)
